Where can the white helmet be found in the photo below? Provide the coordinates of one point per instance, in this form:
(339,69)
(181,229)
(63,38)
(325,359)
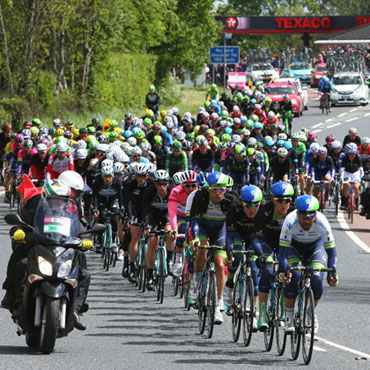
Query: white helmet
(236,138)
(107,162)
(177,178)
(314,147)
(187,115)
(119,167)
(271,114)
(161,175)
(72,179)
(41,148)
(145,146)
(56,188)
(125,146)
(175,110)
(132,141)
(140,168)
(81,154)
(351,148)
(136,151)
(81,144)
(62,147)
(102,147)
(180,135)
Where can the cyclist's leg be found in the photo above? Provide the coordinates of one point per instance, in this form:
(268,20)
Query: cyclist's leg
(220,259)
(200,258)
(133,246)
(169,247)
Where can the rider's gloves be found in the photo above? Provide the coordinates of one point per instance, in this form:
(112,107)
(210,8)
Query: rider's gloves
(87,244)
(19,235)
(333,276)
(195,242)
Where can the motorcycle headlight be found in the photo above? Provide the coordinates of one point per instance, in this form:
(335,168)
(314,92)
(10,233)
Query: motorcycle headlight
(64,269)
(45,267)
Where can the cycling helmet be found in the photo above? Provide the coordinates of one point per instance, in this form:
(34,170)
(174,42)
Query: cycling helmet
(72,179)
(230,182)
(132,141)
(236,139)
(288,145)
(336,144)
(177,178)
(180,135)
(251,152)
(239,149)
(353,131)
(251,194)
(140,169)
(119,168)
(145,146)
(282,152)
(41,148)
(282,136)
(177,145)
(280,144)
(217,179)
(187,144)
(351,148)
(127,134)
(81,154)
(254,117)
(201,178)
(36,122)
(56,188)
(136,151)
(202,143)
(102,139)
(271,114)
(258,125)
(323,150)
(365,140)
(228,131)
(296,136)
(270,143)
(282,189)
(307,203)
(69,123)
(189,176)
(140,134)
(161,175)
(62,147)
(314,148)
(252,142)
(107,170)
(157,139)
(18,138)
(34,131)
(57,122)
(329,139)
(95,121)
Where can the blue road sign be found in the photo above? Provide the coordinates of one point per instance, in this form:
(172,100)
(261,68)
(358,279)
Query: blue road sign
(217,54)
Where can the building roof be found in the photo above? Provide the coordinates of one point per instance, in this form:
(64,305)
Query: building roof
(356,35)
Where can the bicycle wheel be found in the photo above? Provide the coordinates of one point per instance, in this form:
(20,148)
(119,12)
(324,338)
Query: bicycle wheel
(279,321)
(175,285)
(337,199)
(268,335)
(211,304)
(308,323)
(202,309)
(350,208)
(161,278)
(248,310)
(237,312)
(107,253)
(295,338)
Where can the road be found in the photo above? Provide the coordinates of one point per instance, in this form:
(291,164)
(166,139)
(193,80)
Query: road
(130,330)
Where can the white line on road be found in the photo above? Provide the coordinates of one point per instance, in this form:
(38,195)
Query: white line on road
(344,348)
(353,110)
(319,349)
(319,130)
(343,224)
(333,125)
(329,120)
(318,124)
(342,114)
(366,114)
(352,119)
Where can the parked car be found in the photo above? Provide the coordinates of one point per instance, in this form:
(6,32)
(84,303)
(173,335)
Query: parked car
(349,88)
(318,72)
(261,71)
(302,90)
(301,70)
(277,90)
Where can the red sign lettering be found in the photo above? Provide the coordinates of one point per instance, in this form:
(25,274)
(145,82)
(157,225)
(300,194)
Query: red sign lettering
(306,22)
(362,20)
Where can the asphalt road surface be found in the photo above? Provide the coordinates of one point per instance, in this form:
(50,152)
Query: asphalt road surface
(130,330)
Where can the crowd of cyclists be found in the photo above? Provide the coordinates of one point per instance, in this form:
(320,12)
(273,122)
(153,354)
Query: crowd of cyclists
(233,176)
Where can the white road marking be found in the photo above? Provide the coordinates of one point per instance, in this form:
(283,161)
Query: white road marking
(319,349)
(333,125)
(318,124)
(343,224)
(344,348)
(352,119)
(342,114)
(329,120)
(366,114)
(319,130)
(353,110)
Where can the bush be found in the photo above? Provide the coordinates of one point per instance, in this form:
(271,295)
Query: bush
(170,91)
(15,110)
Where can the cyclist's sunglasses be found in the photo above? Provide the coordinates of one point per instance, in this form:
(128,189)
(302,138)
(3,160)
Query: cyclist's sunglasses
(100,153)
(283,200)
(162,183)
(190,186)
(251,204)
(217,190)
(307,215)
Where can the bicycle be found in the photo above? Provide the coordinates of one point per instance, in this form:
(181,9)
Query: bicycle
(207,293)
(322,195)
(351,199)
(242,308)
(304,318)
(324,103)
(140,263)
(177,282)
(337,194)
(186,278)
(109,250)
(160,265)
(13,191)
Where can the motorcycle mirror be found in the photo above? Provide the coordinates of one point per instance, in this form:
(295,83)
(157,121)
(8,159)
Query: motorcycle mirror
(12,219)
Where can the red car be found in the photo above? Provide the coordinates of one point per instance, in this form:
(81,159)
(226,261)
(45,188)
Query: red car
(319,71)
(277,90)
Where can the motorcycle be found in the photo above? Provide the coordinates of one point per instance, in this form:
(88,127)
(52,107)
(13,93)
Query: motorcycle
(46,311)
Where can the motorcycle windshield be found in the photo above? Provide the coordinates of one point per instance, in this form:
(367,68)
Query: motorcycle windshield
(57,219)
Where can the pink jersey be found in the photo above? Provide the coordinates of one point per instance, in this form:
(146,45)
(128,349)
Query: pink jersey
(176,205)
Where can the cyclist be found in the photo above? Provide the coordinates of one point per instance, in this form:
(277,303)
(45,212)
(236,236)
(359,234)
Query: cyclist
(133,201)
(160,152)
(152,100)
(305,239)
(281,166)
(268,223)
(351,169)
(352,137)
(240,226)
(155,214)
(322,168)
(325,87)
(255,167)
(298,156)
(236,165)
(213,93)
(208,224)
(202,157)
(59,162)
(4,140)
(286,112)
(39,162)
(176,212)
(176,160)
